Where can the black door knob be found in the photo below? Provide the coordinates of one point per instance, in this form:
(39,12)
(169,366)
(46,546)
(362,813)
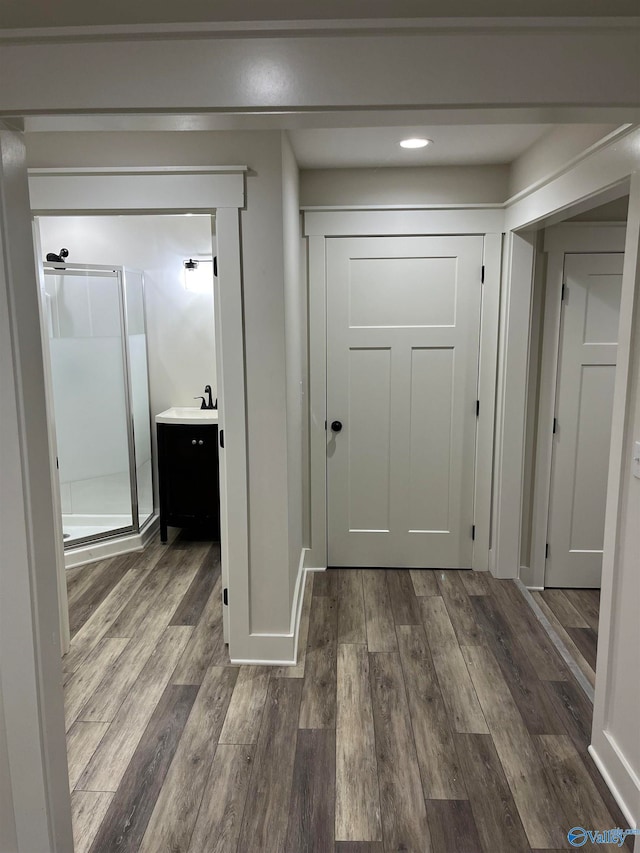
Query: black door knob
(336,426)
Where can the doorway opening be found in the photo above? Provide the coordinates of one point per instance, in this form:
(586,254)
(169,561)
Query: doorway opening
(128,338)
(572,377)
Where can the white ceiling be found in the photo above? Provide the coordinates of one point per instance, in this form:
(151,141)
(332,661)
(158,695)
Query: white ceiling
(353,147)
(44,13)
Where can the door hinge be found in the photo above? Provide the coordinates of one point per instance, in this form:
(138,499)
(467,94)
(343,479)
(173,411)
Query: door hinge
(325,426)
(57,463)
(564,292)
(546,551)
(477,408)
(555,425)
(225,596)
(482,275)
(221,438)
(473,532)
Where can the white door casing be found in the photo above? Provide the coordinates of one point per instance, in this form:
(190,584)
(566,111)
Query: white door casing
(584,403)
(166,190)
(403,320)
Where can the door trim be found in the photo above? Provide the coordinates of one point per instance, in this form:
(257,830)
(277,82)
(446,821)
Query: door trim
(561,240)
(376,222)
(174,190)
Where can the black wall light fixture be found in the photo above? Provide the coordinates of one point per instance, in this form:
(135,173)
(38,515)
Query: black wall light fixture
(59,258)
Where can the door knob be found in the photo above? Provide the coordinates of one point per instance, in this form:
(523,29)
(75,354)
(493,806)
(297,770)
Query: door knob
(336,426)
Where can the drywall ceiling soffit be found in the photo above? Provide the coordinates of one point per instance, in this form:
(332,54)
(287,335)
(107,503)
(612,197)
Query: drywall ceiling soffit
(43,13)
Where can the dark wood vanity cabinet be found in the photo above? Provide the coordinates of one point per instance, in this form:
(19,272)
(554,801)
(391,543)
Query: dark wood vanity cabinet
(188,478)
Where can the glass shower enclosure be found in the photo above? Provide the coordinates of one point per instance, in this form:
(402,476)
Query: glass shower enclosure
(99,376)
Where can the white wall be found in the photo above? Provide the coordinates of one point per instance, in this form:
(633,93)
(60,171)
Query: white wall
(429,185)
(8,840)
(180,336)
(295,331)
(613,211)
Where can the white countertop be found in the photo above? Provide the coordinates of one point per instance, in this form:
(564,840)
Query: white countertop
(188,415)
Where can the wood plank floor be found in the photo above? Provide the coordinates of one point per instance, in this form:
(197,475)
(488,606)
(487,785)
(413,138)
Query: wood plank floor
(427,712)
(574,613)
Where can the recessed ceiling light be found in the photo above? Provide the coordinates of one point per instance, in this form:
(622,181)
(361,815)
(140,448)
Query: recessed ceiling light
(415,142)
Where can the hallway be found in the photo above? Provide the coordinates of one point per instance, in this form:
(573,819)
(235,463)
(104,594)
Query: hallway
(428,711)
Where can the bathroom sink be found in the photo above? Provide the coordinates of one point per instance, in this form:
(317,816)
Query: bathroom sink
(187,415)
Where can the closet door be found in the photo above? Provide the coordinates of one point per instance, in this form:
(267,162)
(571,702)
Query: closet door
(584,401)
(403,320)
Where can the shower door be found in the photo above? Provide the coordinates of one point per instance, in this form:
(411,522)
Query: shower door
(101,401)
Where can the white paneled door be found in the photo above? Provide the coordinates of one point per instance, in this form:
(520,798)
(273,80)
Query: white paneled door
(403,323)
(584,401)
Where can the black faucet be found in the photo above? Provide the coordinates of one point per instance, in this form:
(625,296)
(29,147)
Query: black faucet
(207,403)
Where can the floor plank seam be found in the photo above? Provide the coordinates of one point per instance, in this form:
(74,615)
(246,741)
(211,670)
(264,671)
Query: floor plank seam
(560,646)
(204,788)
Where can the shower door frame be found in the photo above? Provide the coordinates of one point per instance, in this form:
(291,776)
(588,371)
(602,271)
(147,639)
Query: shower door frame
(120,273)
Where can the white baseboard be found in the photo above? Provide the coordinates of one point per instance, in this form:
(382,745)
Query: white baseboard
(310,562)
(492,561)
(527,576)
(279,649)
(111,547)
(609,761)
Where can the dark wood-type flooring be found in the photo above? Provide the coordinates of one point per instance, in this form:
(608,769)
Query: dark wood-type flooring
(428,712)
(574,613)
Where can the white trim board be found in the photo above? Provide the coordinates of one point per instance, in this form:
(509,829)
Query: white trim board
(386,222)
(513,363)
(606,758)
(318,226)
(615,771)
(559,241)
(63,600)
(91,191)
(31,677)
(279,649)
(319,28)
(601,176)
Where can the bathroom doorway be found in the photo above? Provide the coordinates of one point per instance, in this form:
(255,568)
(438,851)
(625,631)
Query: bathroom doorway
(125,344)
(210,199)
